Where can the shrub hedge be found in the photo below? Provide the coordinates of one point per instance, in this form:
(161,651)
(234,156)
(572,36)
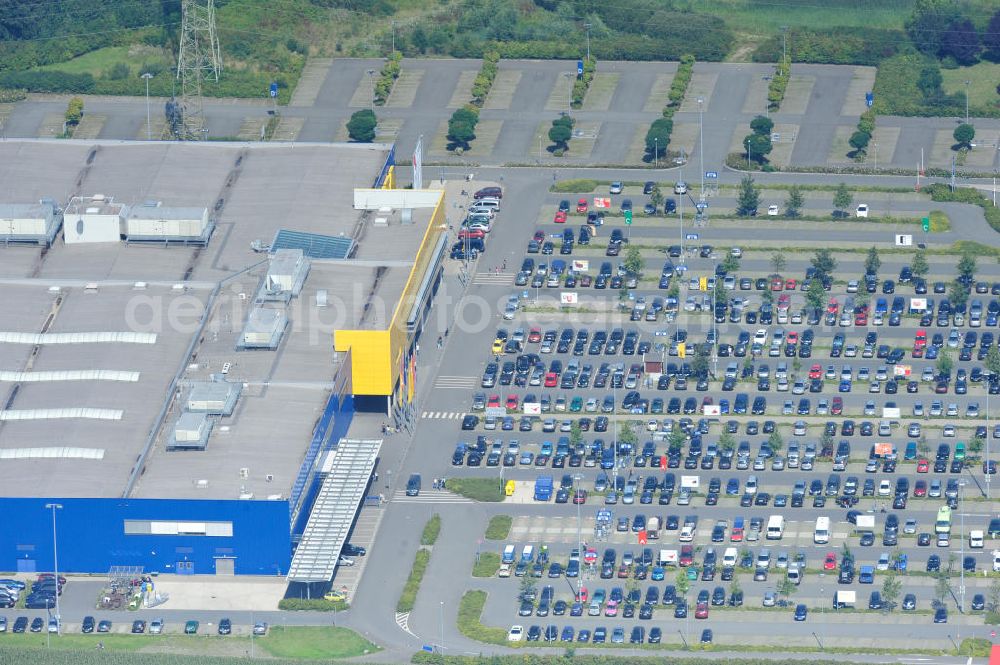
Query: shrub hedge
(898,89)
(431,531)
(409,596)
(582,84)
(835,46)
(312,605)
(478,489)
(470,612)
(387,78)
(484,80)
(779,82)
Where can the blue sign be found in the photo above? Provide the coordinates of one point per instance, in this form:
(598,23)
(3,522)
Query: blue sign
(691,236)
(712,175)
(579,67)
(274,89)
(428,647)
(701,205)
(869,99)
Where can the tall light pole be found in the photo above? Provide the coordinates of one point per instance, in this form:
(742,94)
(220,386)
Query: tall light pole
(371,81)
(961,508)
(784,50)
(149,126)
(569,92)
(579,537)
(656,153)
(701,142)
(588,26)
(55,560)
(393,38)
(680,216)
(967,101)
(441,645)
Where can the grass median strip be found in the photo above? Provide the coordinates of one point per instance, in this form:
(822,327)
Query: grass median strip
(409,596)
(486,565)
(470,612)
(499,527)
(431,531)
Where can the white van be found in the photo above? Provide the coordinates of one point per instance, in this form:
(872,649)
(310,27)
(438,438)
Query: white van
(775,527)
(976,539)
(821,535)
(729,557)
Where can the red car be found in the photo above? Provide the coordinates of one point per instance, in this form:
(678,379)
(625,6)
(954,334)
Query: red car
(792,338)
(471,233)
(539,236)
(920,488)
(790,284)
(535,335)
(861,319)
(837,406)
(581,205)
(832,306)
(580,497)
(701,611)
(815,371)
(830,562)
(551,380)
(777,284)
(560,218)
(494,401)
(920,339)
(687,555)
(512,402)
(923,466)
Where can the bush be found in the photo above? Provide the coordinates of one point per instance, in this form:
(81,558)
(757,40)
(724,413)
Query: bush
(431,531)
(484,80)
(682,77)
(477,489)
(499,527)
(412,586)
(835,46)
(38,81)
(312,605)
(779,82)
(74,112)
(8,96)
(361,126)
(487,566)
(910,84)
(582,83)
(387,78)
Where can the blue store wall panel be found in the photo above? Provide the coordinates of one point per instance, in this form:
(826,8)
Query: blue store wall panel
(92,538)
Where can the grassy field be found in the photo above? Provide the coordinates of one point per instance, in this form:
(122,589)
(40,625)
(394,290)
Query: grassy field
(499,527)
(315,643)
(478,489)
(983,79)
(487,566)
(762,17)
(101,60)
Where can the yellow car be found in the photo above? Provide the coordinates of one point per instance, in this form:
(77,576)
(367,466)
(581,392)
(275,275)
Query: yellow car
(498,346)
(335,596)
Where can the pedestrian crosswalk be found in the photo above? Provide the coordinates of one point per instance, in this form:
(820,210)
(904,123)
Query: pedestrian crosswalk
(461,382)
(430,496)
(493,278)
(443,415)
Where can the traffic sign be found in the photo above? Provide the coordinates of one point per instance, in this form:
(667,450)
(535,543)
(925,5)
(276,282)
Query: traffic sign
(579,67)
(274,89)
(701,205)
(712,175)
(690,236)
(869,99)
(926,222)
(628,217)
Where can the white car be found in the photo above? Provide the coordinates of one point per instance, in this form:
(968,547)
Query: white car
(515,634)
(862,210)
(772,210)
(156,626)
(616,188)
(884,488)
(260,628)
(736,252)
(680,187)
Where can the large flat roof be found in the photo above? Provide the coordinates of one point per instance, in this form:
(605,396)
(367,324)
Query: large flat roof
(252,190)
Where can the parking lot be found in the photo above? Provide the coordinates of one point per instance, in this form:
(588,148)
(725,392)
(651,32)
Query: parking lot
(682,405)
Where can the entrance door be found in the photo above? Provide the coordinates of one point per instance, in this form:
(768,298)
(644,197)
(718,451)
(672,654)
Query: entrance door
(225,566)
(185,567)
(25,565)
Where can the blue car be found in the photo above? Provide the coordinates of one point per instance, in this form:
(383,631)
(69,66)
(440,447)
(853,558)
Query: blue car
(901,563)
(845,387)
(583,635)
(658,574)
(567,634)
(576,610)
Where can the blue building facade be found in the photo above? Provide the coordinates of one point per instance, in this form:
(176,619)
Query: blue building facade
(183,536)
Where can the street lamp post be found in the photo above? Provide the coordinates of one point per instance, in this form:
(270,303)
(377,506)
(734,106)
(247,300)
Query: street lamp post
(747,142)
(441,645)
(149,126)
(569,92)
(588,26)
(961,508)
(784,50)
(371,81)
(680,215)
(656,153)
(55,560)
(579,535)
(701,142)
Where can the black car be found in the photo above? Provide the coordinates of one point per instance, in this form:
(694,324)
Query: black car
(413,485)
(20,625)
(88,624)
(37,624)
(353,550)
(225,627)
(138,627)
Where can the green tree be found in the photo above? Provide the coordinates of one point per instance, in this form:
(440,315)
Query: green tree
(842,198)
(658,137)
(626,432)
(778,263)
(575,433)
(824,263)
(891,586)
(859,141)
(762,125)
(794,202)
(967,266)
(945,363)
(993,596)
(676,440)
(826,440)
(527,585)
(927,21)
(361,126)
(675,290)
(727,441)
(976,444)
(964,134)
(993,360)
(633,261)
(775,441)
(958,293)
(845,551)
(942,587)
(786,587)
(560,134)
(872,261)
(699,365)
(816,295)
(682,583)
(74,111)
(919,264)
(760,147)
(749,197)
(730,264)
(734,587)
(656,196)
